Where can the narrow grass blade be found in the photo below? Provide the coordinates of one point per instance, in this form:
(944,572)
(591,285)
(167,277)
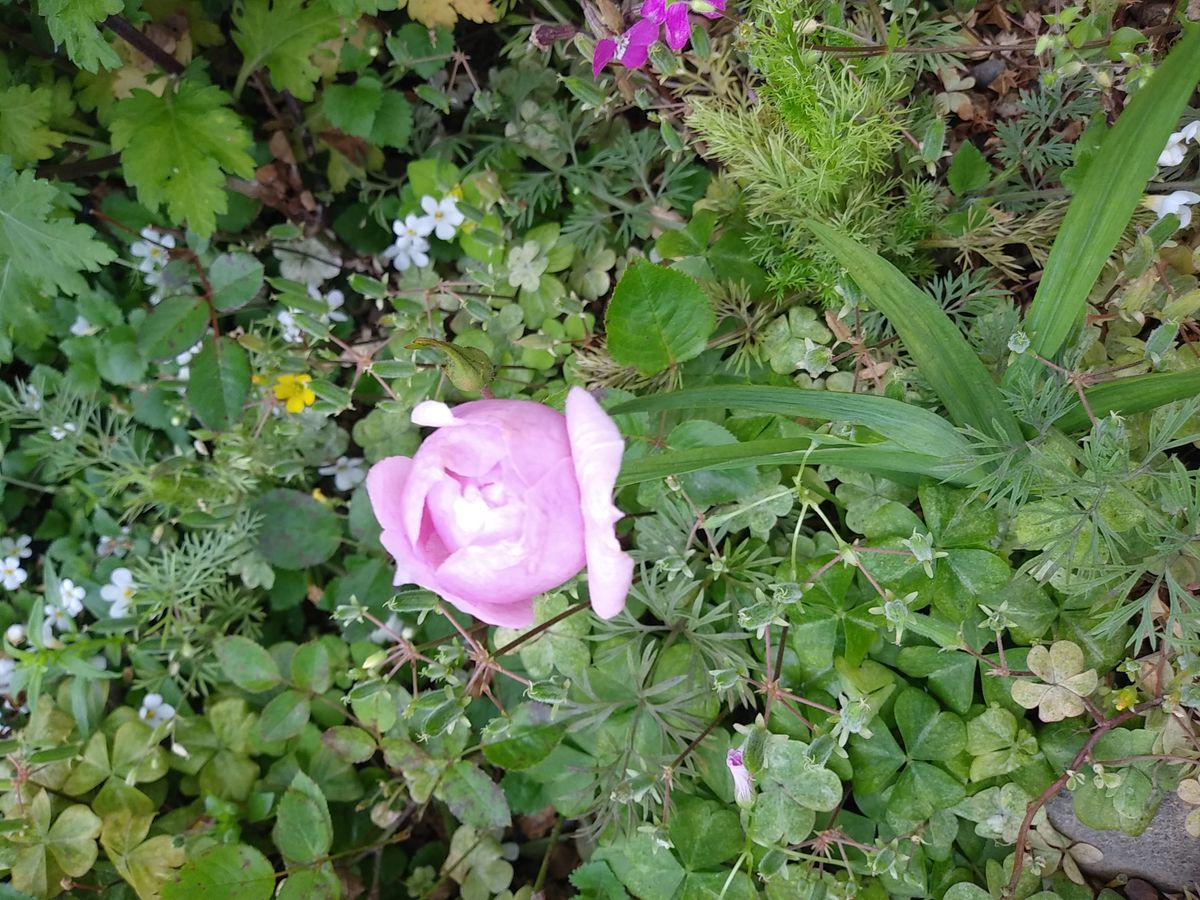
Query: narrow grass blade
(1127,396)
(878,459)
(1110,192)
(936,345)
(906,426)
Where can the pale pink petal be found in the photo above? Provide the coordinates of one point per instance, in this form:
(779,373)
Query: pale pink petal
(386,481)
(433,414)
(596,451)
(655,10)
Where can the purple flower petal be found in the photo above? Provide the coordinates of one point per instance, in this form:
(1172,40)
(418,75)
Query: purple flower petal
(606,49)
(655,11)
(679,30)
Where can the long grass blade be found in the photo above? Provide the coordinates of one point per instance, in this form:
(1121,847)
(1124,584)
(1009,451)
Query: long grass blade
(943,355)
(1127,396)
(1110,192)
(906,426)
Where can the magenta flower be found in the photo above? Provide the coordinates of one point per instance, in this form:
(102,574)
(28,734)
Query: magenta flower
(674,15)
(506,499)
(629,49)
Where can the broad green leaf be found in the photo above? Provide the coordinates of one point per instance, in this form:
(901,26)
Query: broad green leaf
(723,885)
(1126,396)
(219,382)
(350,743)
(705,834)
(922,789)
(776,818)
(968,171)
(235,279)
(649,871)
(941,352)
(523,739)
(118,357)
(1100,210)
(247,664)
(906,426)
(150,865)
(302,532)
(173,326)
(72,839)
(223,870)
(320,883)
(303,830)
(473,797)
(178,148)
(424,50)
(928,732)
(949,674)
(657,318)
(284,717)
(310,668)
(76,24)
(283,36)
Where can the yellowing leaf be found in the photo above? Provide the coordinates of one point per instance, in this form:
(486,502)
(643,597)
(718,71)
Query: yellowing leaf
(24,114)
(178,148)
(446,12)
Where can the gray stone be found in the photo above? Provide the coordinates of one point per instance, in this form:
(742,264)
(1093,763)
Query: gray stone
(1164,854)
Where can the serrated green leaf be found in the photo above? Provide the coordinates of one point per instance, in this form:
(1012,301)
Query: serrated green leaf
(228,870)
(283,718)
(283,36)
(473,797)
(76,24)
(303,533)
(235,279)
(247,664)
(393,121)
(24,131)
(303,830)
(657,318)
(178,148)
(173,326)
(968,171)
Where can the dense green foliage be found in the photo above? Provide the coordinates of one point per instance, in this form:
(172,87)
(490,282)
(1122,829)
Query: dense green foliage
(916,540)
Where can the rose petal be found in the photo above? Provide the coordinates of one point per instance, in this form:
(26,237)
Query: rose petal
(385,488)
(596,451)
(433,414)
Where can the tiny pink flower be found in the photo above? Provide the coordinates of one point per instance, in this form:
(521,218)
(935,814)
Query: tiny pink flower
(505,500)
(630,49)
(743,786)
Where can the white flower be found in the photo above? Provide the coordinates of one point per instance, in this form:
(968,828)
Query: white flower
(289,330)
(157,295)
(308,261)
(58,432)
(441,216)
(80,326)
(1176,148)
(154,249)
(71,595)
(155,712)
(18,546)
(32,399)
(347,473)
(12,576)
(15,634)
(743,786)
(180,750)
(186,356)
(405,254)
(412,227)
(58,617)
(7,667)
(388,631)
(119,592)
(333,300)
(1179,203)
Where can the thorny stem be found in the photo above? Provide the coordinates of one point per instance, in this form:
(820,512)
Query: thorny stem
(1103,728)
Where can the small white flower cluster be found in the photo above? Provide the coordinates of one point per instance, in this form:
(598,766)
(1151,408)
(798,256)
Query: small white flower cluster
(119,592)
(60,616)
(334,300)
(184,358)
(12,551)
(347,472)
(411,248)
(1179,203)
(154,251)
(1176,148)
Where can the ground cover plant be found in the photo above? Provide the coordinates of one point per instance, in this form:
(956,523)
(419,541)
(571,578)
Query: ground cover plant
(669,450)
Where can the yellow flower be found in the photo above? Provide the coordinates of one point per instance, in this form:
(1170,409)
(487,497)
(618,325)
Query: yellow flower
(1126,697)
(295,390)
(319,496)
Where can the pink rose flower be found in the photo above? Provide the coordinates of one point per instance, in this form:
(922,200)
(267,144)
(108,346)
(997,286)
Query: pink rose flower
(505,500)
